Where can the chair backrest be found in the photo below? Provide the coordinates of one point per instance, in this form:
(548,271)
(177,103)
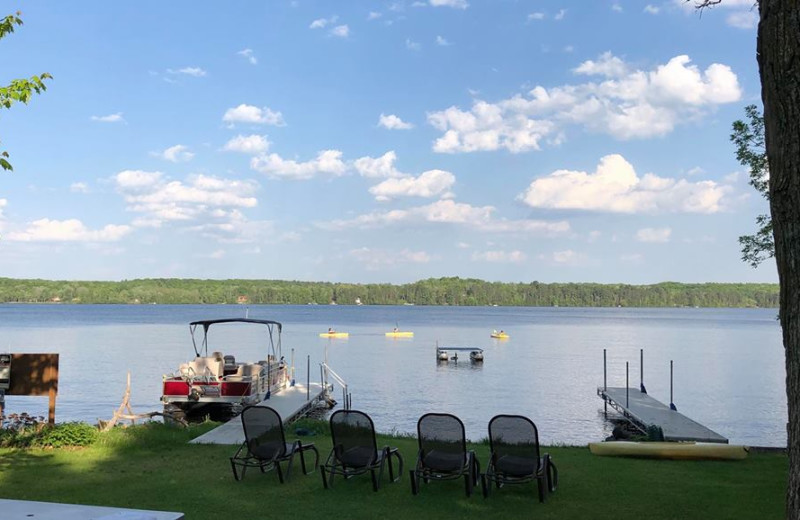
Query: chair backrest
(442,432)
(353,434)
(263,432)
(514,435)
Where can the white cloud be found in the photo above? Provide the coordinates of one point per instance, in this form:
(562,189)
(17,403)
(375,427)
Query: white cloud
(321,23)
(249,56)
(431,183)
(177,153)
(111,118)
(79,187)
(616,7)
(375,259)
(327,162)
(412,45)
(615,187)
(197,72)
(513,257)
(560,14)
(450,212)
(697,170)
(627,104)
(340,31)
(442,42)
(660,235)
(392,122)
(651,9)
(3,204)
(456,4)
(252,114)
(743,19)
(250,144)
(71,230)
(380,167)
(160,200)
(565,257)
(373,15)
(535,16)
(217,255)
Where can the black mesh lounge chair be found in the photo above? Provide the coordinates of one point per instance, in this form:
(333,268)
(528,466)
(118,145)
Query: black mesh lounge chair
(265,445)
(443,452)
(355,450)
(515,456)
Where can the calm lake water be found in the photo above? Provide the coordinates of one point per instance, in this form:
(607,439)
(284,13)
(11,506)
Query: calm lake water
(729,364)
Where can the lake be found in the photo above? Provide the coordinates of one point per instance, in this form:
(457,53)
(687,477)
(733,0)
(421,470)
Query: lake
(729,363)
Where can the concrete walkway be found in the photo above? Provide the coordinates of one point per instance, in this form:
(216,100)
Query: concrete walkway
(289,403)
(27,510)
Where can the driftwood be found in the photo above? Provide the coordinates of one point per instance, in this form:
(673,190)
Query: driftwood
(125,406)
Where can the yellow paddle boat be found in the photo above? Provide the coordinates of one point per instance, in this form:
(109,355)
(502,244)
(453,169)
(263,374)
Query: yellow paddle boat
(399,334)
(334,334)
(499,335)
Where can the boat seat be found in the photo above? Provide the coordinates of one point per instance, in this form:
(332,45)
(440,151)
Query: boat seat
(207,366)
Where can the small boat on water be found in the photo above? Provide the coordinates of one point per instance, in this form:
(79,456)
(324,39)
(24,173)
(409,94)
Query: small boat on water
(499,335)
(334,334)
(670,450)
(451,353)
(399,334)
(217,384)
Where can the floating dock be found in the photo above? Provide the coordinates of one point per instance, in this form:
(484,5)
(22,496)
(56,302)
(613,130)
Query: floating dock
(290,403)
(645,411)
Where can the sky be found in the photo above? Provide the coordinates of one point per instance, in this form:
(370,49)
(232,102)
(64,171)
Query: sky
(557,141)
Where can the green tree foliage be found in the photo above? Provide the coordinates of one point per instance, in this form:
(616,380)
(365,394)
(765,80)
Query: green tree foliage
(751,152)
(439,291)
(19,90)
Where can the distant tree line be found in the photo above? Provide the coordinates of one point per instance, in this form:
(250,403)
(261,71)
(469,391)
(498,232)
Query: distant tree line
(439,291)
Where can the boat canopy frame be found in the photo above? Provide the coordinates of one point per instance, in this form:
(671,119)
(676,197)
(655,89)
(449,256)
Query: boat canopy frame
(274,349)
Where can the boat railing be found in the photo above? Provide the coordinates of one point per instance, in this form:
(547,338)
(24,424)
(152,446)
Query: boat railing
(327,372)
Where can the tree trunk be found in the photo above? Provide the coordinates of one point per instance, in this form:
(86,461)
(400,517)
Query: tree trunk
(779,67)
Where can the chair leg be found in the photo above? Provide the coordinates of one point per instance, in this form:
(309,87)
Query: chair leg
(235,475)
(289,466)
(484,487)
(302,459)
(414,481)
(388,455)
(280,471)
(324,479)
(541,484)
(375,481)
(468,483)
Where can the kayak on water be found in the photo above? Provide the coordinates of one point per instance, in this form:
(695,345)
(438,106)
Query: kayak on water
(334,334)
(400,334)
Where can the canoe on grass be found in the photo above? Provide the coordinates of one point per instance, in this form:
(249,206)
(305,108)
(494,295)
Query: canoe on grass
(334,334)
(670,450)
(400,334)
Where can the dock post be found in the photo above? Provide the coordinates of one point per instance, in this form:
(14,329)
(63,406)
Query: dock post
(627,387)
(671,402)
(605,384)
(642,389)
(292,383)
(308,376)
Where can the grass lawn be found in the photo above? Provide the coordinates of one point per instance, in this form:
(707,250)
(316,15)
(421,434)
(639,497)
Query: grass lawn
(153,467)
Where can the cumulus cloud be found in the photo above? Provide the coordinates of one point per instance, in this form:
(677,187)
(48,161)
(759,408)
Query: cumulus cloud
(513,257)
(327,162)
(252,114)
(340,31)
(626,103)
(3,204)
(196,72)
(79,187)
(412,45)
(177,153)
(653,235)
(111,118)
(442,42)
(71,230)
(567,256)
(431,183)
(250,144)
(535,16)
(249,56)
(743,19)
(392,122)
(380,167)
(615,187)
(321,23)
(373,15)
(651,9)
(560,14)
(374,259)
(450,212)
(159,200)
(456,4)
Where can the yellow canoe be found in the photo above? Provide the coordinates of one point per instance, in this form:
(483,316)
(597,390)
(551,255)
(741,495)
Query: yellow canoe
(334,334)
(499,336)
(670,450)
(399,334)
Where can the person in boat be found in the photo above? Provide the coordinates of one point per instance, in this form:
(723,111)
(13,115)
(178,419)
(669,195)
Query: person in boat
(394,329)
(501,332)
(331,331)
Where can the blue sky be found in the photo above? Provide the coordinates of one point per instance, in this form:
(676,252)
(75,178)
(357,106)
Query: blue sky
(380,141)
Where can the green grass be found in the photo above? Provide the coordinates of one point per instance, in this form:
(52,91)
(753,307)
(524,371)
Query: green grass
(153,467)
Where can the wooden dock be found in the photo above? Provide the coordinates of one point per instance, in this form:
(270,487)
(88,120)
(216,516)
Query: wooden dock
(289,403)
(645,411)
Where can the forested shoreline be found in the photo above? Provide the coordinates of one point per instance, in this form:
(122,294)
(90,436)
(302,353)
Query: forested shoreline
(439,291)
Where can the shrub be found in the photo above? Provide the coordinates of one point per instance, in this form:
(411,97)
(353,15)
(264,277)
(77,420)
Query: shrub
(67,434)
